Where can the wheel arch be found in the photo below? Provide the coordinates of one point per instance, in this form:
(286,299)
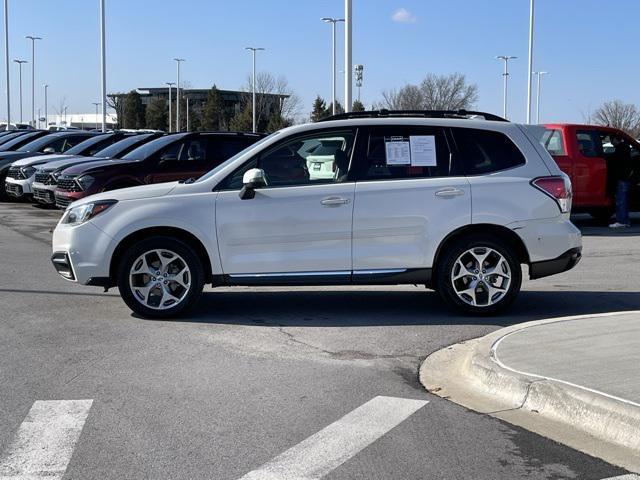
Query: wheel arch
(174,232)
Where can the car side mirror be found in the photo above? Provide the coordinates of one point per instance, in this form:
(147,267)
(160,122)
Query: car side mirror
(252,179)
(49,150)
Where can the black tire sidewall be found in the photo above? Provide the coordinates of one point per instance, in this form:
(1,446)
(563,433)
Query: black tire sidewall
(185,251)
(445,266)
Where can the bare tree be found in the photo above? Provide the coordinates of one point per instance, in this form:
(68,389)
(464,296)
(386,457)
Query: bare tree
(435,92)
(59,109)
(267,85)
(617,114)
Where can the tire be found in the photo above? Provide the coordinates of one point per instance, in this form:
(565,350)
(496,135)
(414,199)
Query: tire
(489,293)
(602,215)
(167,296)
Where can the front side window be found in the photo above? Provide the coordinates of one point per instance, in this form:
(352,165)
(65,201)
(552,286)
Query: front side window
(552,141)
(486,151)
(305,160)
(404,152)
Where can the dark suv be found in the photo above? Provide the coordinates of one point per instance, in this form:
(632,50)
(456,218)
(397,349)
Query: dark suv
(173,157)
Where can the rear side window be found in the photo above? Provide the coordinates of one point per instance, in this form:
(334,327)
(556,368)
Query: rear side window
(552,141)
(589,143)
(220,149)
(486,151)
(403,152)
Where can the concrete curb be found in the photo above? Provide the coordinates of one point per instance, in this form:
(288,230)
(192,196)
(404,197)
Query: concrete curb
(471,375)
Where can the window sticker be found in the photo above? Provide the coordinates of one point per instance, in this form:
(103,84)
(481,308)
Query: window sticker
(398,151)
(423,150)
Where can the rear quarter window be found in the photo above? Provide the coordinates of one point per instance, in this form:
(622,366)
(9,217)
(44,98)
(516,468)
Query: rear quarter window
(486,151)
(552,141)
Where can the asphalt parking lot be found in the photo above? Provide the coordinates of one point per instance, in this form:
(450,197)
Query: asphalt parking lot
(252,373)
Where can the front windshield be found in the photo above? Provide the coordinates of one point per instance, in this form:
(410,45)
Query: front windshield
(237,155)
(148,149)
(18,139)
(38,144)
(113,150)
(82,146)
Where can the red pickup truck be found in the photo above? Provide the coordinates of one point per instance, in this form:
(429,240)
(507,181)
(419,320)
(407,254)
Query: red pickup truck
(583,152)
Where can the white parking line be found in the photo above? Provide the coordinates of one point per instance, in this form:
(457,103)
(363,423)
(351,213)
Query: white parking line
(44,443)
(631,476)
(326,450)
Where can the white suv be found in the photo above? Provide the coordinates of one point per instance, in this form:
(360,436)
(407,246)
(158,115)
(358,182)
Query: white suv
(432,198)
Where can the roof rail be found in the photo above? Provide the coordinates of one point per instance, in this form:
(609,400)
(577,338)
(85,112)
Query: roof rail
(383,113)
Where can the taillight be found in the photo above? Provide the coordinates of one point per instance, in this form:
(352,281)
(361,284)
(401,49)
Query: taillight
(558,188)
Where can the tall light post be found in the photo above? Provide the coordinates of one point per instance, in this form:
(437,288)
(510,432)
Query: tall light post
(188,126)
(6,59)
(539,75)
(348,69)
(65,116)
(178,62)
(333,22)
(33,76)
(530,68)
(254,50)
(20,62)
(170,119)
(46,106)
(505,76)
(96,117)
(103,66)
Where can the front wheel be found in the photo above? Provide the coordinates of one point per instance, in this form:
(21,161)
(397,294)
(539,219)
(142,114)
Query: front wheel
(479,275)
(160,277)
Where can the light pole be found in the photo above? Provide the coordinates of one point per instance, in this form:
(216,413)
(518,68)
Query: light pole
(170,85)
(539,75)
(530,68)
(33,76)
(20,62)
(187,98)
(333,22)
(254,50)
(348,69)
(46,118)
(96,117)
(505,75)
(359,74)
(178,61)
(103,57)
(6,59)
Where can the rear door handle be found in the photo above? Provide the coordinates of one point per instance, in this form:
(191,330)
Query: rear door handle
(334,201)
(449,192)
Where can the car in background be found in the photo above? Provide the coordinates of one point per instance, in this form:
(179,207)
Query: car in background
(12,142)
(86,148)
(15,126)
(584,153)
(8,135)
(48,144)
(46,176)
(320,156)
(177,156)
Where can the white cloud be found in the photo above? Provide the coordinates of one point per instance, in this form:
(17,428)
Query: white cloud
(402,15)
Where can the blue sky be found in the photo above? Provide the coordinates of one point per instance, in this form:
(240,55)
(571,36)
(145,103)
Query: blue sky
(589,46)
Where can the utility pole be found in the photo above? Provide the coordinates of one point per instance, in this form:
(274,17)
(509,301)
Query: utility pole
(188,129)
(178,61)
(96,117)
(20,62)
(170,119)
(333,22)
(6,59)
(348,69)
(103,57)
(46,117)
(254,50)
(530,69)
(539,75)
(33,77)
(505,76)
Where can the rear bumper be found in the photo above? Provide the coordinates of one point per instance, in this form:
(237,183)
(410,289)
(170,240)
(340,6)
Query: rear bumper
(564,262)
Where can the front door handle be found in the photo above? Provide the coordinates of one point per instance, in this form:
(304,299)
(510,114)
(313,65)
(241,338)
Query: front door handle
(449,192)
(334,201)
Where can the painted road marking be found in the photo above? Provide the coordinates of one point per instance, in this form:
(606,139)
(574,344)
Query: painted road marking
(631,476)
(326,450)
(44,443)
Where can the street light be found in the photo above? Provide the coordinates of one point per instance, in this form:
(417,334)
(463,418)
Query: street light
(530,68)
(33,76)
(96,105)
(46,117)
(103,56)
(170,85)
(20,62)
(6,59)
(254,50)
(348,69)
(505,75)
(333,22)
(178,61)
(538,74)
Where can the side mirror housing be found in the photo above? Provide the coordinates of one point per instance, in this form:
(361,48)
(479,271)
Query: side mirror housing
(252,179)
(49,150)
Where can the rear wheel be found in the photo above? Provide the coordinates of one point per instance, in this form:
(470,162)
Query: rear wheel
(479,275)
(160,277)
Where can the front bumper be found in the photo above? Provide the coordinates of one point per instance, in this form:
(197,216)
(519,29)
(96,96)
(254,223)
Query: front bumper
(64,198)
(44,193)
(564,262)
(18,188)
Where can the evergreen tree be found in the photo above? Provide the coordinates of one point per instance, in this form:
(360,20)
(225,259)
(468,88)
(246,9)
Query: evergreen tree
(358,106)
(134,111)
(157,114)
(213,117)
(319,109)
(329,110)
(243,120)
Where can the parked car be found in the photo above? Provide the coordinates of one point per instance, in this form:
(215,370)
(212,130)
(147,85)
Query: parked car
(398,210)
(15,126)
(22,162)
(8,135)
(46,176)
(8,148)
(172,157)
(583,153)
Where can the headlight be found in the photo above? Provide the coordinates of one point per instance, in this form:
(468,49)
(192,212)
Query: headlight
(85,181)
(82,213)
(27,171)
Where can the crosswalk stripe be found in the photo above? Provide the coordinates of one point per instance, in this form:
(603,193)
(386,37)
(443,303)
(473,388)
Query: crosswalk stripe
(329,448)
(43,445)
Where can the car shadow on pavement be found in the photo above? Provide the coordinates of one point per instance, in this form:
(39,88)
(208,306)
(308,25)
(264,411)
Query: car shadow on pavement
(348,308)
(591,227)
